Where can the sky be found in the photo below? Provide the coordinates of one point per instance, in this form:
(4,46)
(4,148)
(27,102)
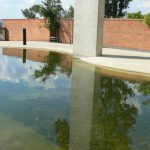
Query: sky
(11,8)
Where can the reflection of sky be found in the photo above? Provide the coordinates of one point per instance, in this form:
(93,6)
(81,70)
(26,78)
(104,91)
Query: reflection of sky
(17,83)
(13,71)
(138,99)
(141,129)
(25,99)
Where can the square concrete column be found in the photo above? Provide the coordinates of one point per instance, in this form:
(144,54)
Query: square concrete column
(88,27)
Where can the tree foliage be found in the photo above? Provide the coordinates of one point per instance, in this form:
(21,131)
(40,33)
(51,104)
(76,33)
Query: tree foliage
(137,15)
(116,8)
(51,10)
(31,12)
(69,13)
(147,19)
(113,9)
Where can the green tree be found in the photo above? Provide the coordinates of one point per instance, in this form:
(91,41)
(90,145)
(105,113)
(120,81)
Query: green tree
(51,10)
(137,15)
(69,13)
(31,12)
(116,8)
(28,13)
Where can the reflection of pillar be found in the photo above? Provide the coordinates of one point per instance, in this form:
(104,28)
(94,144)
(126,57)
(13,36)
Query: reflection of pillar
(83,84)
(24,55)
(88,27)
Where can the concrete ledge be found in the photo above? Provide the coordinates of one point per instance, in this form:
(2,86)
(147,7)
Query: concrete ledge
(124,60)
(57,47)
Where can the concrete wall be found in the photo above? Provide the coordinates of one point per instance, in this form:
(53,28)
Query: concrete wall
(122,33)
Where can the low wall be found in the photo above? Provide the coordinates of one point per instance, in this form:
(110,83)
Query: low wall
(121,33)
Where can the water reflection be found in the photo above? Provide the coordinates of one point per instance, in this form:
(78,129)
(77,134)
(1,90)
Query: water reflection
(101,117)
(24,55)
(52,64)
(106,113)
(62,133)
(37,107)
(145,88)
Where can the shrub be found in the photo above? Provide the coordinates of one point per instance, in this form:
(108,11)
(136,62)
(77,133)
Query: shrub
(147,19)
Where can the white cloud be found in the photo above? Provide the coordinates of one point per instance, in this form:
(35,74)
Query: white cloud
(142,5)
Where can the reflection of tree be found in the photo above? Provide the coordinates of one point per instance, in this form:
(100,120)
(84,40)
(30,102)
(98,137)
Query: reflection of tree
(112,116)
(51,65)
(145,88)
(62,133)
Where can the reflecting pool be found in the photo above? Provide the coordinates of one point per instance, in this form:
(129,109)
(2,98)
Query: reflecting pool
(49,101)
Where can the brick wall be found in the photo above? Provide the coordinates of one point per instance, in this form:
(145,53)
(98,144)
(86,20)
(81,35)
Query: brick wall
(126,33)
(35,29)
(121,33)
(66,31)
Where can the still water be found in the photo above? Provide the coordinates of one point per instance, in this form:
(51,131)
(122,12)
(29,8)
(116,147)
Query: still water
(48,101)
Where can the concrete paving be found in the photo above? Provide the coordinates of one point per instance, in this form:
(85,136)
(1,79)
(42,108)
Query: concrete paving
(119,59)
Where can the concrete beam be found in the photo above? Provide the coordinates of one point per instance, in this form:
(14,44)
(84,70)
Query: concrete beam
(88,27)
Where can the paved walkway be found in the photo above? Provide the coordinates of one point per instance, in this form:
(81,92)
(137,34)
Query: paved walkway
(125,60)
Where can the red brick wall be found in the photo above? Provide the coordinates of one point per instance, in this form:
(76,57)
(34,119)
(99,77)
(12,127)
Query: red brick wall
(35,29)
(66,31)
(121,33)
(126,33)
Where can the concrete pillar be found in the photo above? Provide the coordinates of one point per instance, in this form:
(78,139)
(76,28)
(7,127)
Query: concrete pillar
(88,27)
